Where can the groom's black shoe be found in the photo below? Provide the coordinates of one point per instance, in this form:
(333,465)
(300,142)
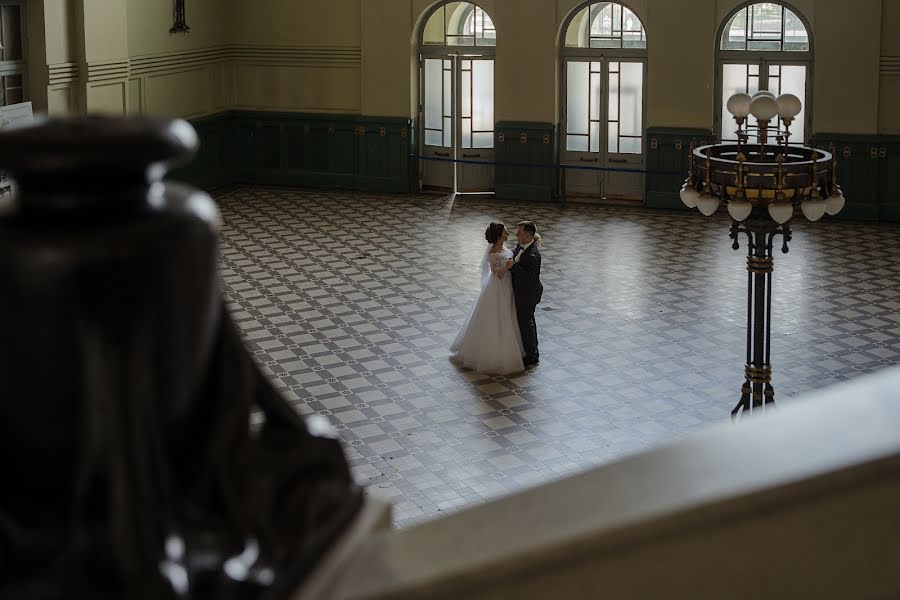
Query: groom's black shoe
(530,361)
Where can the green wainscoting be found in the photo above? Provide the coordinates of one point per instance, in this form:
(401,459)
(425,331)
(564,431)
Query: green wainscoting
(889,178)
(317,150)
(668,150)
(529,144)
(858,172)
(213,166)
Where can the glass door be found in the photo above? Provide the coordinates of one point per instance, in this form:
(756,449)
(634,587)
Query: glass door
(457,118)
(437,124)
(604,128)
(625,130)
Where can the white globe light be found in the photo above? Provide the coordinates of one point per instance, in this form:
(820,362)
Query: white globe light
(835,203)
(763,93)
(739,209)
(707,204)
(813,209)
(763,108)
(789,106)
(781,212)
(739,105)
(689,196)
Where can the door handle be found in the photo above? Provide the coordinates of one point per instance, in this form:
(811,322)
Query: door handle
(471,156)
(618,160)
(588,159)
(442,154)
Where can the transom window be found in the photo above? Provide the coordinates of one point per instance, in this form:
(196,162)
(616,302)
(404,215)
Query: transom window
(459,24)
(606,25)
(766,26)
(12,52)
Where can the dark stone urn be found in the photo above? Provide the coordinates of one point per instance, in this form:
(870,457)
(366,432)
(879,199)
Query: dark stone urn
(128,468)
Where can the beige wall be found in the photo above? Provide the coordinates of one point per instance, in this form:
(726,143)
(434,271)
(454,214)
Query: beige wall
(301,55)
(182,74)
(357,56)
(889,95)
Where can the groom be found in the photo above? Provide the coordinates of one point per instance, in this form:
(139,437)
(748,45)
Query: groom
(525,268)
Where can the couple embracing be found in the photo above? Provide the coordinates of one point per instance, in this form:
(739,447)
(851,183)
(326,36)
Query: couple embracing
(499,336)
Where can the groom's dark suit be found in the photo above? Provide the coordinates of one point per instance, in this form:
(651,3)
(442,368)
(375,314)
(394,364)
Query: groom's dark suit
(526,280)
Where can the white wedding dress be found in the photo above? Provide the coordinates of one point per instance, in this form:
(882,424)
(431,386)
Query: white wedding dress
(489,340)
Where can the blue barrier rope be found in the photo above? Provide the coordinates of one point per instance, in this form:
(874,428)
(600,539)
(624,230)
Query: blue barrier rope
(543,165)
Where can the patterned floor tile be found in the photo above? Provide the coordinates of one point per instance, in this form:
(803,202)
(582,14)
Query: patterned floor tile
(350,301)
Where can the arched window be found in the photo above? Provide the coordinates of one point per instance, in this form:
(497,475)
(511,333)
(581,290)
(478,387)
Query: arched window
(764,46)
(456,113)
(604,56)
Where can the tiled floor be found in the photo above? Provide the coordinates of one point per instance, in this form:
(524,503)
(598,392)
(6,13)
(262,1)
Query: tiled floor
(350,301)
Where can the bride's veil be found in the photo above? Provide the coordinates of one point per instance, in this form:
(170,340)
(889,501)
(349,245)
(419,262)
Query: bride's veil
(486,266)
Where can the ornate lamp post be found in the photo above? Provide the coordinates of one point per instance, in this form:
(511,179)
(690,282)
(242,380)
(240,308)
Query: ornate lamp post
(761,184)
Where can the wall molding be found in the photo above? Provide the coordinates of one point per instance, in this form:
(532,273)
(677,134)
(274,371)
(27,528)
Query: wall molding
(62,73)
(890,66)
(190,60)
(324,56)
(107,70)
(318,56)
(171,62)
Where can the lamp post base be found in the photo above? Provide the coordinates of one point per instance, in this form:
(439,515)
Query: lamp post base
(756,391)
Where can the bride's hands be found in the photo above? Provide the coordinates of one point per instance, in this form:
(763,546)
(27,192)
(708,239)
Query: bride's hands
(509,265)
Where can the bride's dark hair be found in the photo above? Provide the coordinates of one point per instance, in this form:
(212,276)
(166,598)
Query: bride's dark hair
(494,232)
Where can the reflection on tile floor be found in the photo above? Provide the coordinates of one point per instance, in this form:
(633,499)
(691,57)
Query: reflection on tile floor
(350,301)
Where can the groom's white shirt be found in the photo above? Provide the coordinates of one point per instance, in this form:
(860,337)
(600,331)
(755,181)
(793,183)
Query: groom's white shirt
(522,251)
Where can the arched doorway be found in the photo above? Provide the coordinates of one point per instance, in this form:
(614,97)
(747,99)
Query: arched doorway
(603,78)
(764,46)
(456,100)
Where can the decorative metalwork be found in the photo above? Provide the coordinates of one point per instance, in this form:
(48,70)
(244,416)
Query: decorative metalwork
(762,184)
(180,25)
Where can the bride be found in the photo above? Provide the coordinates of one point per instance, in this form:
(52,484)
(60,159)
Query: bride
(489,341)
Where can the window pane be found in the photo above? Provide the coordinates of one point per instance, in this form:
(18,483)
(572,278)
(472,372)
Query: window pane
(629,145)
(595,137)
(793,81)
(631,99)
(433,93)
(448,132)
(483,95)
(485,33)
(577,143)
(734,81)
(433,138)
(466,93)
(12,32)
(596,87)
(483,140)
(735,35)
(448,92)
(796,37)
(14,95)
(467,133)
(613,113)
(14,91)
(434,28)
(613,140)
(577,95)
